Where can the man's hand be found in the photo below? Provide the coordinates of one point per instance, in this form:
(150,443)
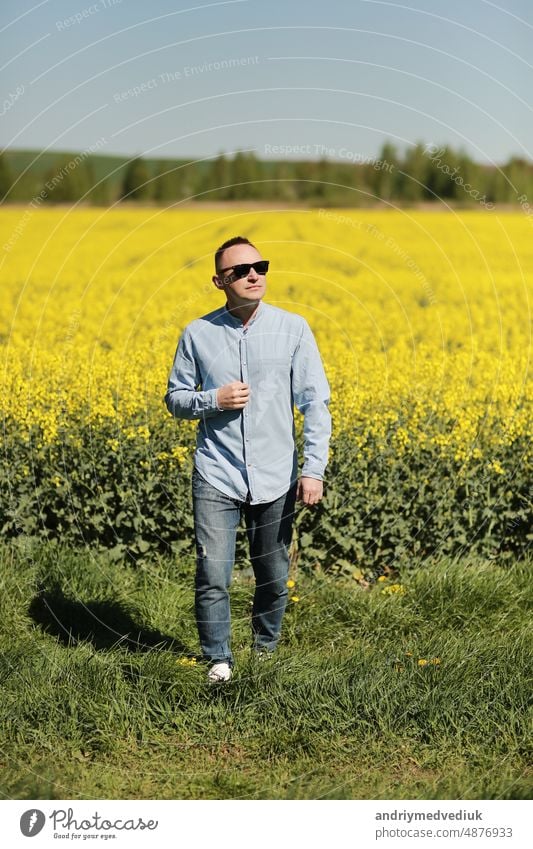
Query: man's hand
(233,396)
(309,490)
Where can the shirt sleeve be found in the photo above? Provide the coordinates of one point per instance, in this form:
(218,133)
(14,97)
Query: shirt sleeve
(311,395)
(182,397)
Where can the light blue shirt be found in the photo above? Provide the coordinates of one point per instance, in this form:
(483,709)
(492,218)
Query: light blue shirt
(252,450)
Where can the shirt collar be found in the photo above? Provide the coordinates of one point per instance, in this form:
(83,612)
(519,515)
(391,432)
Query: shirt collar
(235,321)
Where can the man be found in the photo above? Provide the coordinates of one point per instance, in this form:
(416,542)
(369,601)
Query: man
(239,370)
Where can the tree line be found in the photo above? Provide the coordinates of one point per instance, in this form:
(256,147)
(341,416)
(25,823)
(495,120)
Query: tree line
(424,173)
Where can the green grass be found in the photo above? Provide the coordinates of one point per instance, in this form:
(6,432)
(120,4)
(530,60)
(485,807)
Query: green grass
(96,705)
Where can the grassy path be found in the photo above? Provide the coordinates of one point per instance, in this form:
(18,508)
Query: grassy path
(424,694)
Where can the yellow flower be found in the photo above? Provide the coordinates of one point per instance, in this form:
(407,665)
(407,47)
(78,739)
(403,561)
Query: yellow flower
(394,588)
(435,660)
(295,598)
(382,578)
(179,453)
(422,661)
(291,583)
(186,661)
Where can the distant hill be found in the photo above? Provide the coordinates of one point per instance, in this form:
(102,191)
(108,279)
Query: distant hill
(423,174)
(29,170)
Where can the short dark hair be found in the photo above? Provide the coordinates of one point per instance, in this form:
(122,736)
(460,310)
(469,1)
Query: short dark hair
(236,240)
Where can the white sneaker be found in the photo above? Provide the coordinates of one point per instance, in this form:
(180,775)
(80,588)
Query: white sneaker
(219,672)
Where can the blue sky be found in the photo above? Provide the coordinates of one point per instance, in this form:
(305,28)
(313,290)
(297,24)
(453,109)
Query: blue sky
(339,78)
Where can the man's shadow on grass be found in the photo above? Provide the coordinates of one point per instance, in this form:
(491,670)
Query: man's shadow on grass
(105,624)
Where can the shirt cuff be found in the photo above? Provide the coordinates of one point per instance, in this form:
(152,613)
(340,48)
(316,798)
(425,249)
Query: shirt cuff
(310,473)
(213,401)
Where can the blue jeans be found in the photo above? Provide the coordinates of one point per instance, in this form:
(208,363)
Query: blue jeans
(269,530)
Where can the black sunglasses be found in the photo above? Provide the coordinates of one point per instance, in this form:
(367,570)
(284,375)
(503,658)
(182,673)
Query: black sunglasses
(243,270)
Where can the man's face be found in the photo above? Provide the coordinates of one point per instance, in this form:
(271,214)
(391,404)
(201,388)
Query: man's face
(243,290)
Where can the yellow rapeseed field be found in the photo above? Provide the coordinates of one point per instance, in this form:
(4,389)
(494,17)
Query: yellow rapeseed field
(423,322)
(421,317)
